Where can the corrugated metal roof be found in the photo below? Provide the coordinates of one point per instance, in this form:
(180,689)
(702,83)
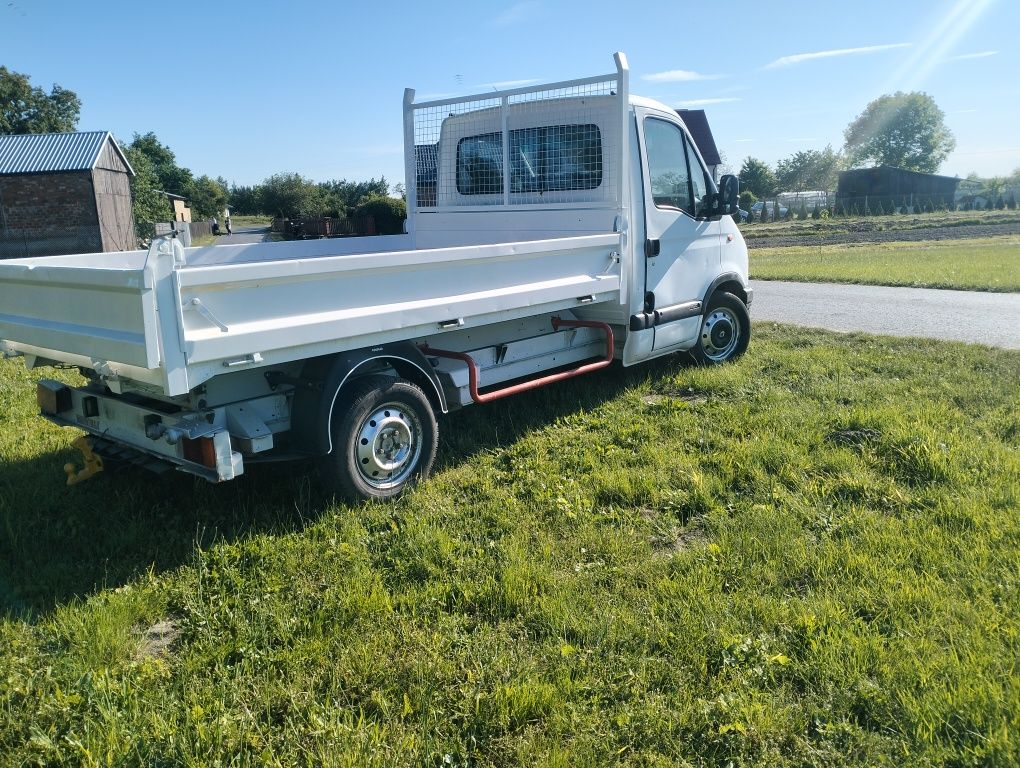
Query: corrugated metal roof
(53,152)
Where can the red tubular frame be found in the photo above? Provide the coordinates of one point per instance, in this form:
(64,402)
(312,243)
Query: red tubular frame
(524,386)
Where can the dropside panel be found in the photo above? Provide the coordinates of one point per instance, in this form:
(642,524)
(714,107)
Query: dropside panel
(276,309)
(66,305)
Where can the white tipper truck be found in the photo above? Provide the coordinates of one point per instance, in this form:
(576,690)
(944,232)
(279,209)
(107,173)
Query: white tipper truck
(550,230)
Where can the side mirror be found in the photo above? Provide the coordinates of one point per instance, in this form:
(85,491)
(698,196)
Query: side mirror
(729,194)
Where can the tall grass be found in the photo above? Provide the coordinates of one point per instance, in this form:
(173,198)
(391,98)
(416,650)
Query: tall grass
(809,557)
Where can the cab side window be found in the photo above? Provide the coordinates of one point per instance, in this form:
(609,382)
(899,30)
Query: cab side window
(667,166)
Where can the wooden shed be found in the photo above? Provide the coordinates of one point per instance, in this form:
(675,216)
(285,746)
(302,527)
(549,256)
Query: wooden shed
(64,193)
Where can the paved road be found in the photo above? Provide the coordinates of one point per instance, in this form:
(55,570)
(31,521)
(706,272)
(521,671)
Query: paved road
(243,235)
(969,316)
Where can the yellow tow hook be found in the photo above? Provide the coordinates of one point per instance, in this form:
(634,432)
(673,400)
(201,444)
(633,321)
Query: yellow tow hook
(93,463)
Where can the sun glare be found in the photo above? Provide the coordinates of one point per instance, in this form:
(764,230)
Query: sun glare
(931,52)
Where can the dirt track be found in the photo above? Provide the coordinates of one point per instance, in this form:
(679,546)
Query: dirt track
(866,234)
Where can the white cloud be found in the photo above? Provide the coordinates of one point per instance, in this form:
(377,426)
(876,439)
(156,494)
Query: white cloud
(742,141)
(967,56)
(679,76)
(517,14)
(799,58)
(704,102)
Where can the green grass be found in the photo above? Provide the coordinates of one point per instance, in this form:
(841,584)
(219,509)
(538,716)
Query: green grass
(837,225)
(809,557)
(250,221)
(986,264)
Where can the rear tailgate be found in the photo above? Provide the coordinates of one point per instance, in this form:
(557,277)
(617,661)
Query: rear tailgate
(98,306)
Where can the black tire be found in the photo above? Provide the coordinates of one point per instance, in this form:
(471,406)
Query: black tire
(725,330)
(385,438)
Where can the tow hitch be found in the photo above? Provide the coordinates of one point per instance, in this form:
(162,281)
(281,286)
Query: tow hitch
(93,463)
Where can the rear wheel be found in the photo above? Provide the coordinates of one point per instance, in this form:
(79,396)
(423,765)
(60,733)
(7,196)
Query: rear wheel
(385,438)
(725,330)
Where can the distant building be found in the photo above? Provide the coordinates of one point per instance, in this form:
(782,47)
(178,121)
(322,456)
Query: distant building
(180,205)
(697,123)
(64,193)
(885,187)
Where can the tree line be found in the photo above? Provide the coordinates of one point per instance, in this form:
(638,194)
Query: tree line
(25,108)
(902,130)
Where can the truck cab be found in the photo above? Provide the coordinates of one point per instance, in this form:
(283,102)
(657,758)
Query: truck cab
(588,158)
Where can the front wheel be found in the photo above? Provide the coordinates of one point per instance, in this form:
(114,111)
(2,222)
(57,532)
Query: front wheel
(385,438)
(725,330)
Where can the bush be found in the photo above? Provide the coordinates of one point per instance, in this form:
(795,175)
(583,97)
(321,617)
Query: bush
(389,213)
(747,199)
(1011,202)
(817,212)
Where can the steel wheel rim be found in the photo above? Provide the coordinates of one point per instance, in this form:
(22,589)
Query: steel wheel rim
(388,446)
(720,334)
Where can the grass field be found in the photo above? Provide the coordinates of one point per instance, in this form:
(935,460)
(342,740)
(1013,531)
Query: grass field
(985,264)
(251,221)
(836,225)
(809,557)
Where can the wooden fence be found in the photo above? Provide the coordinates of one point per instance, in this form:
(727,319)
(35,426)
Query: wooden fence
(327,226)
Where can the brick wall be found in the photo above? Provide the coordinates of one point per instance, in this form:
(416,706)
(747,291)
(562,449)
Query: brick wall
(48,214)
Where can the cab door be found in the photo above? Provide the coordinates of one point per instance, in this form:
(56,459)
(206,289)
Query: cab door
(682,251)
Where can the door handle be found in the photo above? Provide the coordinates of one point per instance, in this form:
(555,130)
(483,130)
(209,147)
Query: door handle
(652,248)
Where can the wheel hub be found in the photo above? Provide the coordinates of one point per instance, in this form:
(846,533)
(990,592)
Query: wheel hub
(720,334)
(388,446)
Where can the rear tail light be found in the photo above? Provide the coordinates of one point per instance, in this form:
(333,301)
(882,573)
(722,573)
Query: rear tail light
(202,451)
(53,397)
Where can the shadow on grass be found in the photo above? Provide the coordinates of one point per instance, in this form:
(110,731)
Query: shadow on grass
(59,544)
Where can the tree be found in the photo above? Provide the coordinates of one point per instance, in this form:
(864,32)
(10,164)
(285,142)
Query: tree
(995,187)
(904,130)
(245,200)
(340,198)
(172,177)
(387,212)
(207,197)
(148,203)
(28,109)
(811,169)
(757,178)
(291,196)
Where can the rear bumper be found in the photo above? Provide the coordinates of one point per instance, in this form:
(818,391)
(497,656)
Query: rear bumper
(196,443)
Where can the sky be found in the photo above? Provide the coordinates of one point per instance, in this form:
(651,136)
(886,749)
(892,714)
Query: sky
(244,90)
